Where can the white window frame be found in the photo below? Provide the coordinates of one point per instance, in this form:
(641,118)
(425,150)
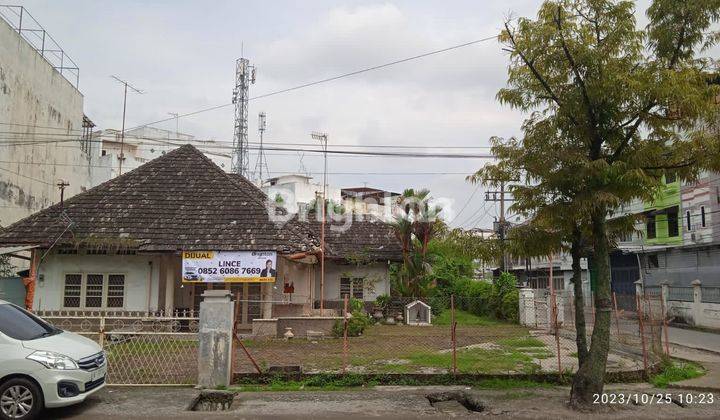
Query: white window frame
(104,294)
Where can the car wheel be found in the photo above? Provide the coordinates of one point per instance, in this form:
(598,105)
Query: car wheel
(20,398)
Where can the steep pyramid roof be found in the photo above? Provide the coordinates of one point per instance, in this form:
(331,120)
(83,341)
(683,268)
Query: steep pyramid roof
(179,201)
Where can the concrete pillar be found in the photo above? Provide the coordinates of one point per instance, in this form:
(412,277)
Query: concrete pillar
(169,287)
(697,303)
(664,293)
(640,293)
(215,339)
(526,310)
(266,296)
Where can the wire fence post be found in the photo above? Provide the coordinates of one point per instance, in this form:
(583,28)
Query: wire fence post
(617,318)
(553,300)
(665,326)
(345,333)
(453,338)
(638,302)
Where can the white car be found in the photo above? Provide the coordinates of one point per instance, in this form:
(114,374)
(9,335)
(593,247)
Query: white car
(43,366)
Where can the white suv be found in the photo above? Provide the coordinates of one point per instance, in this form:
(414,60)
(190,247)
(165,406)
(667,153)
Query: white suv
(43,366)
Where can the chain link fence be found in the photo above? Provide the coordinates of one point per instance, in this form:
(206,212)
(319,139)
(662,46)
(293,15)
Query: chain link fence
(142,348)
(453,334)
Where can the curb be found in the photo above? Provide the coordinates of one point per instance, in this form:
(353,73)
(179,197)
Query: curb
(702,349)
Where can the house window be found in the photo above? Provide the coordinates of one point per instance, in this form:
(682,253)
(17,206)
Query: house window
(357,288)
(352,287)
(73,288)
(672,218)
(688,222)
(653,261)
(116,291)
(702,216)
(650,226)
(93,290)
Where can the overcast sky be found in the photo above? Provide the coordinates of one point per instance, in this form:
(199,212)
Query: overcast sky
(182,53)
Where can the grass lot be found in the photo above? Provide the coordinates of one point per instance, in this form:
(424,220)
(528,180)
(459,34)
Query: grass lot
(463,318)
(484,346)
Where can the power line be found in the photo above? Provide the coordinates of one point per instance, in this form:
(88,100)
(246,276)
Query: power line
(477,187)
(329,79)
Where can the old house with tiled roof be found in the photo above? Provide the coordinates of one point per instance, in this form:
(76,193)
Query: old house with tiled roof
(121,245)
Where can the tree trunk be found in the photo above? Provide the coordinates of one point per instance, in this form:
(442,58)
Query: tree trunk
(580,331)
(590,377)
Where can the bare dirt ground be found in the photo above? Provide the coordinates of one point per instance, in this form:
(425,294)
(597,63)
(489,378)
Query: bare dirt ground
(382,402)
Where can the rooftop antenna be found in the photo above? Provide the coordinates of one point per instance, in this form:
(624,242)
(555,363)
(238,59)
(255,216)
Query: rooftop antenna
(127,85)
(244,77)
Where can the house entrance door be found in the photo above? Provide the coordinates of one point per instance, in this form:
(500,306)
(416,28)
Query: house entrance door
(247,296)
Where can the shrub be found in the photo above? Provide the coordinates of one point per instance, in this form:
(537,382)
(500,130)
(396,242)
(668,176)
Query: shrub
(356,325)
(509,306)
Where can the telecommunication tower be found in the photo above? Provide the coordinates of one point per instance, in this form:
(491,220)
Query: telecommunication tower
(261,159)
(244,77)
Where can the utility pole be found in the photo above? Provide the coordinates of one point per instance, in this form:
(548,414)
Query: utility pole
(244,77)
(323,138)
(122,131)
(501,225)
(176,115)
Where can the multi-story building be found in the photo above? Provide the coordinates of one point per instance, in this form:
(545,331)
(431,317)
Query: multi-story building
(142,144)
(45,133)
(676,240)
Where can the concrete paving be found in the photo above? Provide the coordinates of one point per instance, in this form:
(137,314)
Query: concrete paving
(378,402)
(695,339)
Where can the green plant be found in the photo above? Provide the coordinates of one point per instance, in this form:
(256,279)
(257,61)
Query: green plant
(356,325)
(676,371)
(382,301)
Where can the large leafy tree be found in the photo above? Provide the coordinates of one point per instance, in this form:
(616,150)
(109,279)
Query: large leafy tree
(612,107)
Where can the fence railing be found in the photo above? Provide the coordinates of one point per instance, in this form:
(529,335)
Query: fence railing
(681,294)
(710,294)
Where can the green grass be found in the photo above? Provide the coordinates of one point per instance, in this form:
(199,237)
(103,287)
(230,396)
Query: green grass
(521,342)
(674,371)
(463,318)
(478,361)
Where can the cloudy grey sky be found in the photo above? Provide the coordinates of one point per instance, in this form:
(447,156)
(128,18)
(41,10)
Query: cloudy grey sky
(182,53)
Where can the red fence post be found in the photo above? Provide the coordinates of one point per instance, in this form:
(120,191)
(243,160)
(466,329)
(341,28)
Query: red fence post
(617,318)
(554,312)
(638,302)
(453,337)
(345,334)
(665,326)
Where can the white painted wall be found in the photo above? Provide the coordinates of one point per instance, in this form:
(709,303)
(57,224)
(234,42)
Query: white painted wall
(378,272)
(138,269)
(43,104)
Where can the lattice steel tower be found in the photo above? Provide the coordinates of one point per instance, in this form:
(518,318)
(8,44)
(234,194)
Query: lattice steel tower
(244,77)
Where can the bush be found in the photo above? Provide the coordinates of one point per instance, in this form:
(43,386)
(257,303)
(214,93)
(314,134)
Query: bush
(509,306)
(356,325)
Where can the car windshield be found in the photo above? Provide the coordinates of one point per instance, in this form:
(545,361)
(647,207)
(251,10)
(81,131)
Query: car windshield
(19,324)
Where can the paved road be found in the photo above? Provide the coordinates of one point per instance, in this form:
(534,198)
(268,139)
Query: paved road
(695,339)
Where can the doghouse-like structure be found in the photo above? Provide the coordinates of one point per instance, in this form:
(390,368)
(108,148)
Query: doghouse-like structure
(417,313)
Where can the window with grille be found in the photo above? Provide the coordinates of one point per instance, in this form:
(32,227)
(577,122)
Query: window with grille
(94,291)
(650,226)
(352,287)
(73,289)
(116,291)
(357,288)
(345,286)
